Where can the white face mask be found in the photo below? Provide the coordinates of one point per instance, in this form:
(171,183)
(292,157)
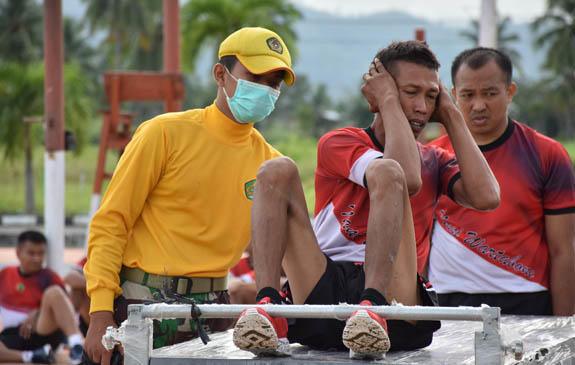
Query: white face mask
(252,102)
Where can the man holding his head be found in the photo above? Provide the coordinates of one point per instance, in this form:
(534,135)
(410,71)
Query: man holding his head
(520,257)
(362,246)
(176,214)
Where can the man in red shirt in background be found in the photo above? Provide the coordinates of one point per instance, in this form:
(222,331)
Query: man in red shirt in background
(35,308)
(521,256)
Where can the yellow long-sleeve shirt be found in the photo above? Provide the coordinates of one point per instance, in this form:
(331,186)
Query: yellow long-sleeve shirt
(179,202)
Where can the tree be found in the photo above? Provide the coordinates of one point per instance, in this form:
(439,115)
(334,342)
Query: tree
(20,31)
(208,22)
(504,39)
(127,24)
(22,96)
(77,48)
(556,32)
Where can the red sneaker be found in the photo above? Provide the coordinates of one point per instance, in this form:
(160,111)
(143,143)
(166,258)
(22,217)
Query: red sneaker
(365,334)
(258,332)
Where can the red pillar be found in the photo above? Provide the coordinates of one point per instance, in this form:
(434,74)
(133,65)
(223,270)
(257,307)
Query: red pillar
(54,157)
(172,38)
(420,34)
(53,76)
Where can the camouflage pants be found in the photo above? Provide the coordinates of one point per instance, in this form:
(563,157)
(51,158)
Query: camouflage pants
(170,331)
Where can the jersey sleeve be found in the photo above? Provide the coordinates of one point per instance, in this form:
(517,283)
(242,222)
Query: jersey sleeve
(448,171)
(57,280)
(559,181)
(344,156)
(138,171)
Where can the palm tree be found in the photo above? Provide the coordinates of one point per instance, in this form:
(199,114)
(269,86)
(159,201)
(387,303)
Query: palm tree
(21,92)
(20,31)
(556,30)
(209,22)
(126,24)
(504,39)
(78,48)
(22,96)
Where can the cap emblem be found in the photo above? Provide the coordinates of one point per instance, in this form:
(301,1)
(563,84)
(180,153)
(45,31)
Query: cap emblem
(275,45)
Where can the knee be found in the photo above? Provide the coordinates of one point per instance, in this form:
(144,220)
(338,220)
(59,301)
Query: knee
(383,175)
(277,171)
(54,292)
(242,293)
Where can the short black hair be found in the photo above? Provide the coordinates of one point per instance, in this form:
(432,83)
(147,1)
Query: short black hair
(477,57)
(32,236)
(229,62)
(410,51)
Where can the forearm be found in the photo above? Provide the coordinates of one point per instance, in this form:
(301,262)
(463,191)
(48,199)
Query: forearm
(562,293)
(105,253)
(400,144)
(480,188)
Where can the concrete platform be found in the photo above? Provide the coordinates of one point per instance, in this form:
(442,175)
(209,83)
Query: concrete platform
(547,340)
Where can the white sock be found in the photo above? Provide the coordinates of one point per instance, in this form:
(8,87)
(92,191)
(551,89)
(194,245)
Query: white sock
(27,356)
(75,339)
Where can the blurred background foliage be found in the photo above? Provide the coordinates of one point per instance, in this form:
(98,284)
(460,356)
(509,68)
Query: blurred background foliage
(127,35)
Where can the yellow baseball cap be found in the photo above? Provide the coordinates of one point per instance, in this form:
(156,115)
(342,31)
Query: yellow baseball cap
(260,51)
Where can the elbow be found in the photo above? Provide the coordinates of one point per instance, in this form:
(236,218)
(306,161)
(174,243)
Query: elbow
(488,201)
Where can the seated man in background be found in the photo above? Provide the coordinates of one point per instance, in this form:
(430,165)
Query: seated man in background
(35,308)
(76,281)
(242,286)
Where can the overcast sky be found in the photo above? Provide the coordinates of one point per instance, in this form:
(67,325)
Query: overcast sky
(460,11)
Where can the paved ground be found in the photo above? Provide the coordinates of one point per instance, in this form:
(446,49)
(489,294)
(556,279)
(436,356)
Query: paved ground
(71,255)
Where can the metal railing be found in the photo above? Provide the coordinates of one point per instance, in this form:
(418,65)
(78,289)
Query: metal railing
(135,332)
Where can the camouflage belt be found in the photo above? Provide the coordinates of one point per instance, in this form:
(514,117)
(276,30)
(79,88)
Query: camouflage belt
(179,284)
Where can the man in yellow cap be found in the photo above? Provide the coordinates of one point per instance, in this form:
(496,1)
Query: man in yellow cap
(176,215)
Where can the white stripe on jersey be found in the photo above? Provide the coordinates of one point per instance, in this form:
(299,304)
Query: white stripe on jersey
(357,171)
(331,241)
(455,268)
(12,318)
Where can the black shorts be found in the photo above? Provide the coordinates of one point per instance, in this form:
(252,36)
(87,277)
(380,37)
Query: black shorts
(83,326)
(343,282)
(12,339)
(536,303)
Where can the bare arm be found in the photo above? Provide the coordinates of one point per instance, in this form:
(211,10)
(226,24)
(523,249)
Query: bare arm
(477,187)
(560,232)
(391,126)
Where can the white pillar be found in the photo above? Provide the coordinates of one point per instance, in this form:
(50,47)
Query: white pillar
(94,205)
(54,208)
(488,24)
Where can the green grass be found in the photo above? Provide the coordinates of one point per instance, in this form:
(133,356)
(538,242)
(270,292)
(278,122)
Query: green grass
(80,172)
(570,147)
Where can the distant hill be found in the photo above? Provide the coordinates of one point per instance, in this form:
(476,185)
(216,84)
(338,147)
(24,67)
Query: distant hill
(337,50)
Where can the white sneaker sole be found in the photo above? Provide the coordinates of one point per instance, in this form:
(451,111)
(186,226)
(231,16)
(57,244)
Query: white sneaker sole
(365,337)
(254,332)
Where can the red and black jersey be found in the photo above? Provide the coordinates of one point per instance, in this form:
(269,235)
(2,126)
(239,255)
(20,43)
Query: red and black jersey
(80,264)
(342,199)
(504,250)
(23,293)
